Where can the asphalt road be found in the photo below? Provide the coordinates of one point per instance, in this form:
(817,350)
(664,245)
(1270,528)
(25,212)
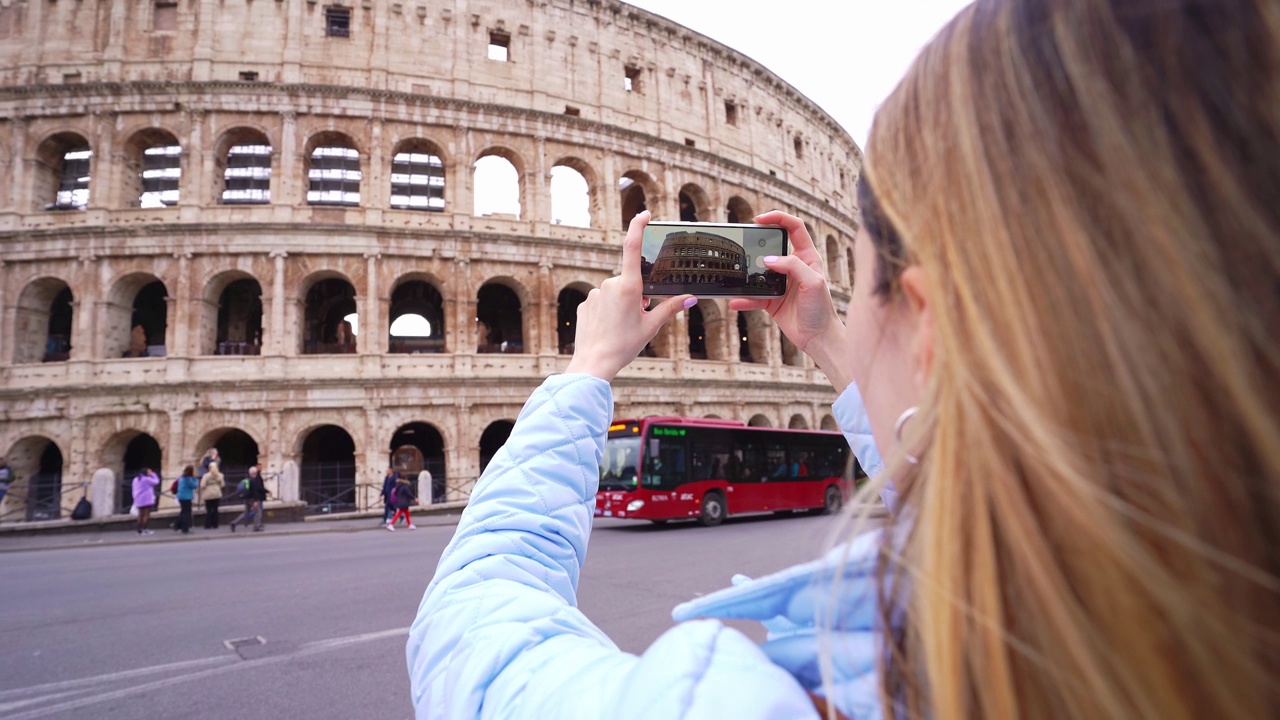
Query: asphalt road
(142,630)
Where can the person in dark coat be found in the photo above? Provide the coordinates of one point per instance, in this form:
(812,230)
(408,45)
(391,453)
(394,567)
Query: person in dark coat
(255,496)
(406,497)
(388,483)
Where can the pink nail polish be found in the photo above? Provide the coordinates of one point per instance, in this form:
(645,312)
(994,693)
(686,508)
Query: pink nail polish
(690,302)
(771,258)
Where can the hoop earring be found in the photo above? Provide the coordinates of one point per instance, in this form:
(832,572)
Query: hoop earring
(897,432)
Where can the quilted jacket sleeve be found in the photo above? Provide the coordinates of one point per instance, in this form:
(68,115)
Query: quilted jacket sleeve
(851,415)
(498,633)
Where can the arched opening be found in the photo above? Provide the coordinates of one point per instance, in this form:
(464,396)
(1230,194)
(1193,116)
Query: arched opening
(417,176)
(499,320)
(798,422)
(331,320)
(833,260)
(42,331)
(327,474)
(35,492)
(697,334)
(753,336)
(239,324)
(237,452)
(416,447)
(567,318)
(634,187)
(417,319)
(62,172)
(497,188)
(492,440)
(245,167)
(829,423)
(759,420)
(148,322)
(570,197)
(153,159)
(693,204)
(717,333)
(791,354)
(848,257)
(739,211)
(333,171)
(141,453)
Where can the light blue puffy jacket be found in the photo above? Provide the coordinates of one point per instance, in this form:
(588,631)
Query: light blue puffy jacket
(499,634)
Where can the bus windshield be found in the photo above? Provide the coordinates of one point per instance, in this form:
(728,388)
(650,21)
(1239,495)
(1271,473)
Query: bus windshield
(618,466)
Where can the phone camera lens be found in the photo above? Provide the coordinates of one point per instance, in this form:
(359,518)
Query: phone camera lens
(761,242)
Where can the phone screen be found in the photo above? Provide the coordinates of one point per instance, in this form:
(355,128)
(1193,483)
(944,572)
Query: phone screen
(709,259)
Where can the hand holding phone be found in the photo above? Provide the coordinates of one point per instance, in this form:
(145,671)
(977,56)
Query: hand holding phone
(712,260)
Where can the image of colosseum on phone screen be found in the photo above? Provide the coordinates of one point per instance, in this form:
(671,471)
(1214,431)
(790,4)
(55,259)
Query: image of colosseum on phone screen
(711,260)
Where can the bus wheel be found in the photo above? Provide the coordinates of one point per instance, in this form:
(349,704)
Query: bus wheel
(712,509)
(833,501)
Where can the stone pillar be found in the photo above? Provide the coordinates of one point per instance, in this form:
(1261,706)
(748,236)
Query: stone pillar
(680,336)
(175,456)
(102,493)
(178,335)
(375,192)
(19,190)
(277,336)
(288,483)
(462,335)
(538,209)
(610,198)
(194,191)
(101,169)
(424,488)
(373,334)
(289,186)
(274,443)
(547,316)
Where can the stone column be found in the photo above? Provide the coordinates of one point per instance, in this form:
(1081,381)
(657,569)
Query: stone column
(276,330)
(463,334)
(19,190)
(538,209)
(610,198)
(289,183)
(194,191)
(375,191)
(373,336)
(175,456)
(547,318)
(178,336)
(102,493)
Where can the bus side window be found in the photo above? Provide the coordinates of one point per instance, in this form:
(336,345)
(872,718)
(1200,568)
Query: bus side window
(666,464)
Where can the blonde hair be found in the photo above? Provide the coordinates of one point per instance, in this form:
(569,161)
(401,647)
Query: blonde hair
(1092,190)
(214,472)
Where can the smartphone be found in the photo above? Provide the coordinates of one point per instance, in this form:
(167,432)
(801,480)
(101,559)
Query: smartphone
(711,259)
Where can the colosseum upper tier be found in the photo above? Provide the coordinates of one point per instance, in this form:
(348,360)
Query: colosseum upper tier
(313,234)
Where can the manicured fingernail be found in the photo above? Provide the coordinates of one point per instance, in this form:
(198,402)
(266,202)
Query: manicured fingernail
(690,302)
(643,212)
(771,259)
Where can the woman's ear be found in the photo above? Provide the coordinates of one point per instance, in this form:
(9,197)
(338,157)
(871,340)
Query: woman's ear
(916,289)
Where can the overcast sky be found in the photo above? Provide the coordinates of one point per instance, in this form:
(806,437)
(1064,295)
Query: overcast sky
(845,56)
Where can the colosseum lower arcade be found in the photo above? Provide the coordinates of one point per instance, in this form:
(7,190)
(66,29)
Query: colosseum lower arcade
(327,239)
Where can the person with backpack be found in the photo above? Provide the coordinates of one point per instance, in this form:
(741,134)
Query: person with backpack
(403,496)
(211,492)
(144,497)
(388,501)
(6,477)
(254,492)
(187,484)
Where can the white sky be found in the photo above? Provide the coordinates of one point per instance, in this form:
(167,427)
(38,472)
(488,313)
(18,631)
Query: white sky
(845,55)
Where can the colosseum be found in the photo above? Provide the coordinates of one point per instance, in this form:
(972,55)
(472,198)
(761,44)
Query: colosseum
(326,237)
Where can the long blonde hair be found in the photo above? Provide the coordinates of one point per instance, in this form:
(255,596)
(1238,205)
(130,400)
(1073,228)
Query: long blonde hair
(1092,189)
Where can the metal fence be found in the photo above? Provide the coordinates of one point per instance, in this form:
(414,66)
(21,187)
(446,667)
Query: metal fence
(41,498)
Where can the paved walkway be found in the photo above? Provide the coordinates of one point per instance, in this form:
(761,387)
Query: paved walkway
(163,533)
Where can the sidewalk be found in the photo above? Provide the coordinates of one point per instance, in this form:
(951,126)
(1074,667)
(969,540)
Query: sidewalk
(93,536)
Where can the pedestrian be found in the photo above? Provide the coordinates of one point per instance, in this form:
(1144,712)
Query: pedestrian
(186,494)
(211,488)
(6,477)
(406,496)
(210,457)
(388,504)
(144,497)
(1062,337)
(255,494)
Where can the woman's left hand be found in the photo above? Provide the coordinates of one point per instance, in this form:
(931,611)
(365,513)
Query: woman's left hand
(613,325)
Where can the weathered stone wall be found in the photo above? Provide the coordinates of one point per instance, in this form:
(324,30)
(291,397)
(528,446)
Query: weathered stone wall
(410,73)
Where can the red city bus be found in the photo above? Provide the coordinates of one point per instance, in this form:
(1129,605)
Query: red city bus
(671,468)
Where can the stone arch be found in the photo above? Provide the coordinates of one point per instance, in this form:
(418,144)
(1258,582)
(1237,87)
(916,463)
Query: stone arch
(798,422)
(231,315)
(327,472)
(44,321)
(753,336)
(330,314)
(418,172)
(242,166)
(428,451)
(500,316)
(416,315)
(760,420)
(334,168)
(63,165)
(829,423)
(714,319)
(492,439)
(695,206)
(572,186)
(237,451)
(498,186)
(153,168)
(127,453)
(639,193)
(137,317)
(738,210)
(567,302)
(35,492)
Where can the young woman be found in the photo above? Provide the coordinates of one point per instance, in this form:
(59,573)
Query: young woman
(187,486)
(144,487)
(405,496)
(1064,328)
(211,488)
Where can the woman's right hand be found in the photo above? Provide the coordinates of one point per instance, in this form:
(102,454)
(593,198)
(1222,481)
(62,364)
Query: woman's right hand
(805,313)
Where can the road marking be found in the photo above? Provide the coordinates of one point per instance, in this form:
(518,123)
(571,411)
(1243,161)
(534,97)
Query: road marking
(113,677)
(228,665)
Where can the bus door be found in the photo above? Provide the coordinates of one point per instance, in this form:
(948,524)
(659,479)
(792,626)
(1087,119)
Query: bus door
(749,475)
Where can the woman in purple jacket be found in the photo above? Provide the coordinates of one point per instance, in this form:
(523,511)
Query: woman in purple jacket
(144,497)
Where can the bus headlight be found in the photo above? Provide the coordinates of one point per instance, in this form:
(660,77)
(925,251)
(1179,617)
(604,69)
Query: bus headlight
(635,505)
